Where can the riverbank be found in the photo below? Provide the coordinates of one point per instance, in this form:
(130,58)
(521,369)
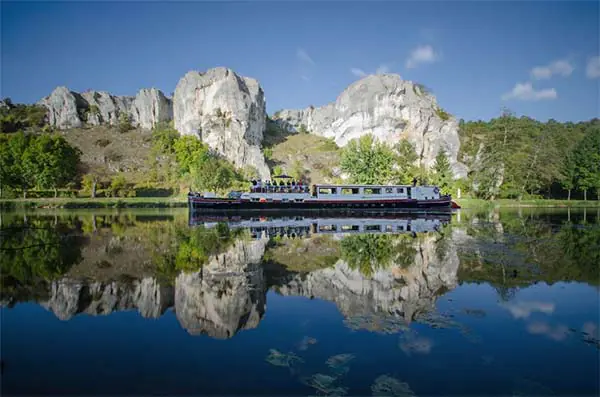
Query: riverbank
(74,203)
(470,203)
(181,202)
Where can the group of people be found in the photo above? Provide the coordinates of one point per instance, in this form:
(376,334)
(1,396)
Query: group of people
(291,186)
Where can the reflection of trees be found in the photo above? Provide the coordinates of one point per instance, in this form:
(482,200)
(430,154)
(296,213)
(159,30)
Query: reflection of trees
(36,251)
(522,250)
(192,248)
(371,252)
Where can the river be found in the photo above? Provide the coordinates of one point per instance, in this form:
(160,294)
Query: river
(504,302)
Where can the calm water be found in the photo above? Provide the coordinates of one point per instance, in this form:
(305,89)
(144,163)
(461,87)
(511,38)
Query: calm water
(491,303)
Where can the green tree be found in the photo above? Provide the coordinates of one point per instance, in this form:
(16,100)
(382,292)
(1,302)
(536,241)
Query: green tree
(188,151)
(55,161)
(124,122)
(212,173)
(443,175)
(368,161)
(406,158)
(119,187)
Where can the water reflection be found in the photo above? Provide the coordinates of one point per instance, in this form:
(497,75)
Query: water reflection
(419,279)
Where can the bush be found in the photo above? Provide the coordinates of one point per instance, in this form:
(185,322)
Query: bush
(124,123)
(120,188)
(442,114)
(102,142)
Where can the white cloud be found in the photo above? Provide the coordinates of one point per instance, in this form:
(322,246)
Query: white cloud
(382,69)
(358,72)
(560,67)
(526,92)
(557,333)
(302,55)
(420,55)
(592,70)
(524,309)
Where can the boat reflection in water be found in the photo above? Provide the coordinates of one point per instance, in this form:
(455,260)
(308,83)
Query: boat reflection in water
(303,226)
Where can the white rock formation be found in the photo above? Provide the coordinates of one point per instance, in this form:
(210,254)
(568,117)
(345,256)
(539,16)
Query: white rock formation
(107,107)
(391,109)
(63,108)
(151,107)
(68,109)
(226,111)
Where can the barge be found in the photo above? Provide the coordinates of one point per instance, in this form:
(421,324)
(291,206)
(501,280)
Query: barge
(297,196)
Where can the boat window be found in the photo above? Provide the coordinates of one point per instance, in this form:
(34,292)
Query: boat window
(350,190)
(401,228)
(389,228)
(400,190)
(327,190)
(369,190)
(324,228)
(350,227)
(372,227)
(389,190)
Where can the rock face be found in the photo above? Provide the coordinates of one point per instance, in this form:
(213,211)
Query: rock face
(226,111)
(391,109)
(151,107)
(68,109)
(103,108)
(64,108)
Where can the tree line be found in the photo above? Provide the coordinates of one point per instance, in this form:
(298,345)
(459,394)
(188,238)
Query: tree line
(508,157)
(517,157)
(368,161)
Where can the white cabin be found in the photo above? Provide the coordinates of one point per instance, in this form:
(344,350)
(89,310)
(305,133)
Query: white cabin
(375,192)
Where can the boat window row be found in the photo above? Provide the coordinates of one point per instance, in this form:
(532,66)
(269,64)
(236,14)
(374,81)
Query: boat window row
(366,190)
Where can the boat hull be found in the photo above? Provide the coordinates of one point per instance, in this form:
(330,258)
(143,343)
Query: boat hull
(217,204)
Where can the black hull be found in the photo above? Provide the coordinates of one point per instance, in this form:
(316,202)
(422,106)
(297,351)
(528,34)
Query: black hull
(217,205)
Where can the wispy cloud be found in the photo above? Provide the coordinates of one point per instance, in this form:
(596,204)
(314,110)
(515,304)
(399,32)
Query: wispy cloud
(421,55)
(303,56)
(557,333)
(592,70)
(306,64)
(523,309)
(561,67)
(358,72)
(381,69)
(526,92)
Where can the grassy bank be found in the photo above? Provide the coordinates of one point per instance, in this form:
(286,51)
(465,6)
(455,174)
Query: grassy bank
(68,203)
(505,203)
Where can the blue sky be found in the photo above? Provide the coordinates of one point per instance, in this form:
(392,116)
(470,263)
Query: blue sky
(537,58)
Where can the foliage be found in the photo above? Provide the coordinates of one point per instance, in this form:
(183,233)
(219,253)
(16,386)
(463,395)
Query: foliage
(302,129)
(120,188)
(442,114)
(124,122)
(43,161)
(209,172)
(406,157)
(20,117)
(367,161)
(515,157)
(443,176)
(370,252)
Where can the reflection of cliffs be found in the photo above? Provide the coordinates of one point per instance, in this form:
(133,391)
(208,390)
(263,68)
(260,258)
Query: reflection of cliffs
(227,295)
(69,297)
(402,291)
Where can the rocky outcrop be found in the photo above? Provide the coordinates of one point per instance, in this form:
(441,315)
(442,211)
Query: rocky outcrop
(68,109)
(104,108)
(226,111)
(65,108)
(151,107)
(227,295)
(391,109)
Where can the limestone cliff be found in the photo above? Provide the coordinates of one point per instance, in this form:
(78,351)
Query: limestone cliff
(226,111)
(69,109)
(391,109)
